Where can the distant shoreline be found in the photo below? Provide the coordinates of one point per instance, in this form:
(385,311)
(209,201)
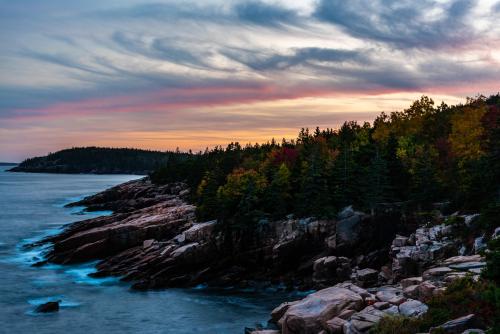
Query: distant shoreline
(42,171)
(8,164)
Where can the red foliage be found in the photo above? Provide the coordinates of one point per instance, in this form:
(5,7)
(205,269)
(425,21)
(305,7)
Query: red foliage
(285,155)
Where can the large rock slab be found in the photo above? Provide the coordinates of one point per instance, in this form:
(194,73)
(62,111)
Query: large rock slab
(413,308)
(309,315)
(457,326)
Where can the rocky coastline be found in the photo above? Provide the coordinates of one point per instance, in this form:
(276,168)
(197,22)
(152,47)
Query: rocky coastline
(362,267)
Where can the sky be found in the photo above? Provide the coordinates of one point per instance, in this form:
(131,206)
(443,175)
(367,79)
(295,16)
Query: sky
(194,74)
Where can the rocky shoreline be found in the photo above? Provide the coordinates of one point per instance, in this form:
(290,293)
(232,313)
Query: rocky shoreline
(361,265)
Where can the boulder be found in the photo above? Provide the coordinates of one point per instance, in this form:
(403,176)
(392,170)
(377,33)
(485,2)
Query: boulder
(48,307)
(479,244)
(362,321)
(411,281)
(346,314)
(453,276)
(381,305)
(148,243)
(462,259)
(331,269)
(426,289)
(200,231)
(309,315)
(387,294)
(436,273)
(365,277)
(348,228)
(496,233)
(346,212)
(185,250)
(457,326)
(413,308)
(399,241)
(411,291)
(279,311)
(393,310)
(464,266)
(335,325)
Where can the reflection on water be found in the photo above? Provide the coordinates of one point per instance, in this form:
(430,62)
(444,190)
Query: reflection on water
(31,208)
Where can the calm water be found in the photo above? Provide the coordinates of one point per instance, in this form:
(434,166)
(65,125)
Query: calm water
(31,206)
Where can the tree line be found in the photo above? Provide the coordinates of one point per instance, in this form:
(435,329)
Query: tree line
(421,155)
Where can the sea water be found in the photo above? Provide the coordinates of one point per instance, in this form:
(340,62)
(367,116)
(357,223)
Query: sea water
(32,207)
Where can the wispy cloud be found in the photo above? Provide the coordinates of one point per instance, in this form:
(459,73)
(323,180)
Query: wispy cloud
(137,63)
(406,24)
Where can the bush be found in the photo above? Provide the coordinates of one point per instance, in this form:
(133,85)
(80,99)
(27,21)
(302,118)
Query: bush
(492,271)
(462,297)
(455,221)
(397,325)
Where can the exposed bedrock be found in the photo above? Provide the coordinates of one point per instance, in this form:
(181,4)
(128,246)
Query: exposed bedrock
(154,240)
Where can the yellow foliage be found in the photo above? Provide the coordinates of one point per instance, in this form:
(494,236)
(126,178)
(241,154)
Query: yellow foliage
(466,133)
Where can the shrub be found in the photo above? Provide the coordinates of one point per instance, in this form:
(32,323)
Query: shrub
(397,325)
(455,221)
(492,271)
(461,298)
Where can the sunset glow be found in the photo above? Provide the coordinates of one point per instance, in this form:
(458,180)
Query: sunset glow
(192,75)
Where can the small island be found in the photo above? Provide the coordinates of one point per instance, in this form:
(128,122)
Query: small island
(96,160)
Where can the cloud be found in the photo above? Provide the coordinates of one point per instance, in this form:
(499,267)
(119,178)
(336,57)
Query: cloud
(217,65)
(160,48)
(61,60)
(496,7)
(238,12)
(404,24)
(260,13)
(299,56)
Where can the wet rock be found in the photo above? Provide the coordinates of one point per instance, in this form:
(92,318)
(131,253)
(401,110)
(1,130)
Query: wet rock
(48,307)
(413,308)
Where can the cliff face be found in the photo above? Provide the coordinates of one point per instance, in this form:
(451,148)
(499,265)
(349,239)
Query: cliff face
(154,240)
(363,269)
